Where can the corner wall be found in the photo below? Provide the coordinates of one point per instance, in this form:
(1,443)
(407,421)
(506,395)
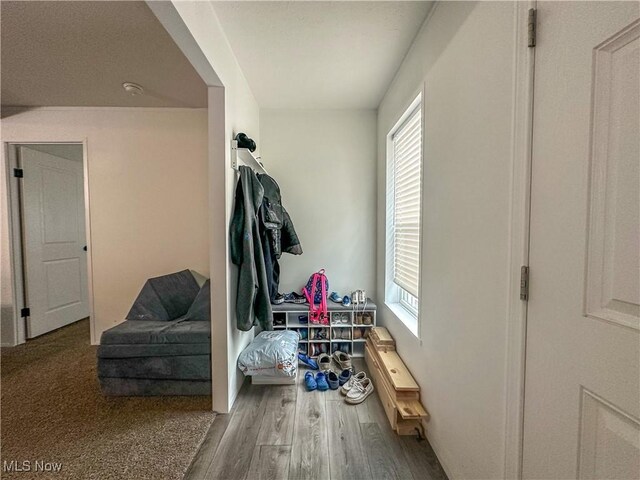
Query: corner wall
(232,109)
(325,164)
(147,192)
(467,73)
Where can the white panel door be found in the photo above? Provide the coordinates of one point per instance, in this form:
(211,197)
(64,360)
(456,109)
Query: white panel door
(582,387)
(56,263)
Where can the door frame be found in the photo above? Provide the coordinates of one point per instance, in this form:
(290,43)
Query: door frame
(515,368)
(16,235)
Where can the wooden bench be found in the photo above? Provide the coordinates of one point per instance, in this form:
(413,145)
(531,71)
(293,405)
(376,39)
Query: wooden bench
(382,339)
(398,391)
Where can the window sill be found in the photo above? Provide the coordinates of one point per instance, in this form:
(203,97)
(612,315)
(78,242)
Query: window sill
(406,319)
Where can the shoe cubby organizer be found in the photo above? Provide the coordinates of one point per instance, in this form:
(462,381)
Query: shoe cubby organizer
(348,328)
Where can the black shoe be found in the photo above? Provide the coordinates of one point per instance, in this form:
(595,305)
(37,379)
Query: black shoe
(278,299)
(294,297)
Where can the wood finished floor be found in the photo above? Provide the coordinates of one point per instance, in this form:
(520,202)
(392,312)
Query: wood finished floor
(285,432)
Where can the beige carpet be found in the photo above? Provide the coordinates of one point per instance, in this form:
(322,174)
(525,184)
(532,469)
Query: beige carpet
(52,410)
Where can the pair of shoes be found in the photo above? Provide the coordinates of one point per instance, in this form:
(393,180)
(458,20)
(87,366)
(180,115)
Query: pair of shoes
(345,301)
(345,376)
(278,299)
(317,383)
(342,359)
(334,297)
(294,297)
(333,379)
(359,391)
(357,388)
(308,361)
(341,347)
(319,334)
(367,319)
(303,333)
(351,381)
(303,318)
(318,349)
(324,361)
(357,333)
(338,318)
(344,334)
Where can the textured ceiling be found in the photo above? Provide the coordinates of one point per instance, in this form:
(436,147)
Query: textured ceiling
(69,53)
(320,54)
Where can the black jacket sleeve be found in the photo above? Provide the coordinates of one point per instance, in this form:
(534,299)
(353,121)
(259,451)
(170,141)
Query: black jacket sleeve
(289,239)
(236,229)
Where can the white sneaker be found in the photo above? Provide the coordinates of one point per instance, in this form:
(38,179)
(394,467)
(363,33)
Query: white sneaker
(357,377)
(360,391)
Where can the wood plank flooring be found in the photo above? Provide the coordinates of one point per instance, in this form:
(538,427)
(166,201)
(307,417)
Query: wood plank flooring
(284,432)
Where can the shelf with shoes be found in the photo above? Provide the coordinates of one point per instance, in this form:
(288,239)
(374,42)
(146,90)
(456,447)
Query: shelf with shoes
(347,330)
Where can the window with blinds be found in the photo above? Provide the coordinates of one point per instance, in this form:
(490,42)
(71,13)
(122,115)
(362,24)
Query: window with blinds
(406,148)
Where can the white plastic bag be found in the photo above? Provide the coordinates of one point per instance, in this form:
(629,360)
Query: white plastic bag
(273,354)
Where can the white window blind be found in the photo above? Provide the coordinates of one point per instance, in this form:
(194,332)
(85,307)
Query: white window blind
(407,154)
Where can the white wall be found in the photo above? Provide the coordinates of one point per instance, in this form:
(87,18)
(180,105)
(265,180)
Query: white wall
(467,71)
(325,164)
(232,109)
(147,191)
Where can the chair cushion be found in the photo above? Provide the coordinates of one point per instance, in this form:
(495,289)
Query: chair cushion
(136,387)
(165,298)
(157,332)
(200,309)
(183,367)
(129,350)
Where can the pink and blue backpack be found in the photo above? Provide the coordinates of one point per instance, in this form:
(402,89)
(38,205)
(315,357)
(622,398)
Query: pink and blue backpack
(316,292)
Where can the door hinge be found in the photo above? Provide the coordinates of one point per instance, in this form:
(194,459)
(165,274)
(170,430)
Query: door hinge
(18,172)
(25,312)
(524,283)
(531,28)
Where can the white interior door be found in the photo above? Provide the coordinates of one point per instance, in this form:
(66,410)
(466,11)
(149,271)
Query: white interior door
(582,390)
(54,231)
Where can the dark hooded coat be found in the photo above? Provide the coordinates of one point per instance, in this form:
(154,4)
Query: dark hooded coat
(253,306)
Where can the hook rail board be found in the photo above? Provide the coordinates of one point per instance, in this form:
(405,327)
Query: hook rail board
(243,156)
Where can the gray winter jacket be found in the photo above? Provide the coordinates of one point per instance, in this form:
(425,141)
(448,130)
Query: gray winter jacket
(277,221)
(253,306)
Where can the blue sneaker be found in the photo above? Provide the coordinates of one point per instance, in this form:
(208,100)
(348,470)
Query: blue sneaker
(310,382)
(308,361)
(334,382)
(346,301)
(334,297)
(345,376)
(321,381)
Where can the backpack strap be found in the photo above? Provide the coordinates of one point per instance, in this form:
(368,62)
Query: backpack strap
(323,313)
(317,314)
(313,311)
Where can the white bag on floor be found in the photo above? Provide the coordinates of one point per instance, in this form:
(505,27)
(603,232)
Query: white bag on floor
(273,354)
